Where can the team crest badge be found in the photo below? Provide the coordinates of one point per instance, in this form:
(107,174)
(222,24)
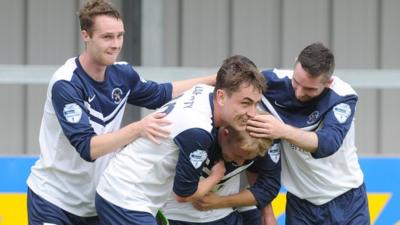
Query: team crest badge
(197,158)
(342,111)
(72,112)
(274,153)
(313,117)
(116,95)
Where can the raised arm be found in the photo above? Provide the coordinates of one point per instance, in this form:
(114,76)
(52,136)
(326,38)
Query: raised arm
(180,86)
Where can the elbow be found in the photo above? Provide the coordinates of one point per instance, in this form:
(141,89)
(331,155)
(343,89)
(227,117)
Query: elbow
(181,199)
(84,150)
(190,198)
(327,145)
(326,148)
(83,145)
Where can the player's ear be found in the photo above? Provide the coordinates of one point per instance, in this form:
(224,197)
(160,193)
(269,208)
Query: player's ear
(329,82)
(220,96)
(225,131)
(85,35)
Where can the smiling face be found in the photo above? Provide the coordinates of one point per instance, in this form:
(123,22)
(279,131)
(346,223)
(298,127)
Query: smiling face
(307,87)
(105,41)
(236,108)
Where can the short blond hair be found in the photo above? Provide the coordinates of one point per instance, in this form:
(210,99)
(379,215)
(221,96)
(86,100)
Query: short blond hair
(255,146)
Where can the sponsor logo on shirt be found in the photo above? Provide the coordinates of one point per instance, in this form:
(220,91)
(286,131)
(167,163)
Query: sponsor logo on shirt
(274,153)
(116,95)
(90,99)
(72,112)
(197,158)
(342,111)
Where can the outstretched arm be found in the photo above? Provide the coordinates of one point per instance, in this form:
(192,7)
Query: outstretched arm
(149,127)
(180,86)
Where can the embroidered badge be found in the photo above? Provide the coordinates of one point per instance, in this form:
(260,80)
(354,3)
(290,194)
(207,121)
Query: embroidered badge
(313,117)
(342,111)
(72,112)
(274,153)
(197,158)
(116,95)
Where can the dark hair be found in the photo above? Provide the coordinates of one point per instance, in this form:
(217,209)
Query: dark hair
(317,60)
(237,70)
(94,8)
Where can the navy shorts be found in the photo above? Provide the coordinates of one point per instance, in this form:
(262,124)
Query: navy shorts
(350,208)
(231,219)
(41,211)
(110,214)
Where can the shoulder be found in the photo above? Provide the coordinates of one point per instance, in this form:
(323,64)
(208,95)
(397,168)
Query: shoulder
(190,110)
(65,72)
(123,70)
(341,88)
(276,74)
(122,66)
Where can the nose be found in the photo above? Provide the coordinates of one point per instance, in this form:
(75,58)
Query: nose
(117,42)
(252,111)
(299,92)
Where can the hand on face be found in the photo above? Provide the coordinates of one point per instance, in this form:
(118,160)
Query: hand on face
(265,126)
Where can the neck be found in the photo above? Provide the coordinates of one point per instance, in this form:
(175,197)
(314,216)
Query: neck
(93,69)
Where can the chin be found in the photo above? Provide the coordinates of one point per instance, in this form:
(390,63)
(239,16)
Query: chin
(109,62)
(304,99)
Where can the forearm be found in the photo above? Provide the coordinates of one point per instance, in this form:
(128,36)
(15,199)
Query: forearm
(180,86)
(203,188)
(305,140)
(105,143)
(268,216)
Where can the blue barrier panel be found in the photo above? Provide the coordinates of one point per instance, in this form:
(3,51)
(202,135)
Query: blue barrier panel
(13,173)
(381,177)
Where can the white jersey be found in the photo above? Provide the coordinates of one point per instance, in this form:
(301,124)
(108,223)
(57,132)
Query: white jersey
(76,109)
(333,169)
(264,190)
(186,212)
(140,177)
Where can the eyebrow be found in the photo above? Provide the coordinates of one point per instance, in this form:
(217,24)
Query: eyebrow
(248,99)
